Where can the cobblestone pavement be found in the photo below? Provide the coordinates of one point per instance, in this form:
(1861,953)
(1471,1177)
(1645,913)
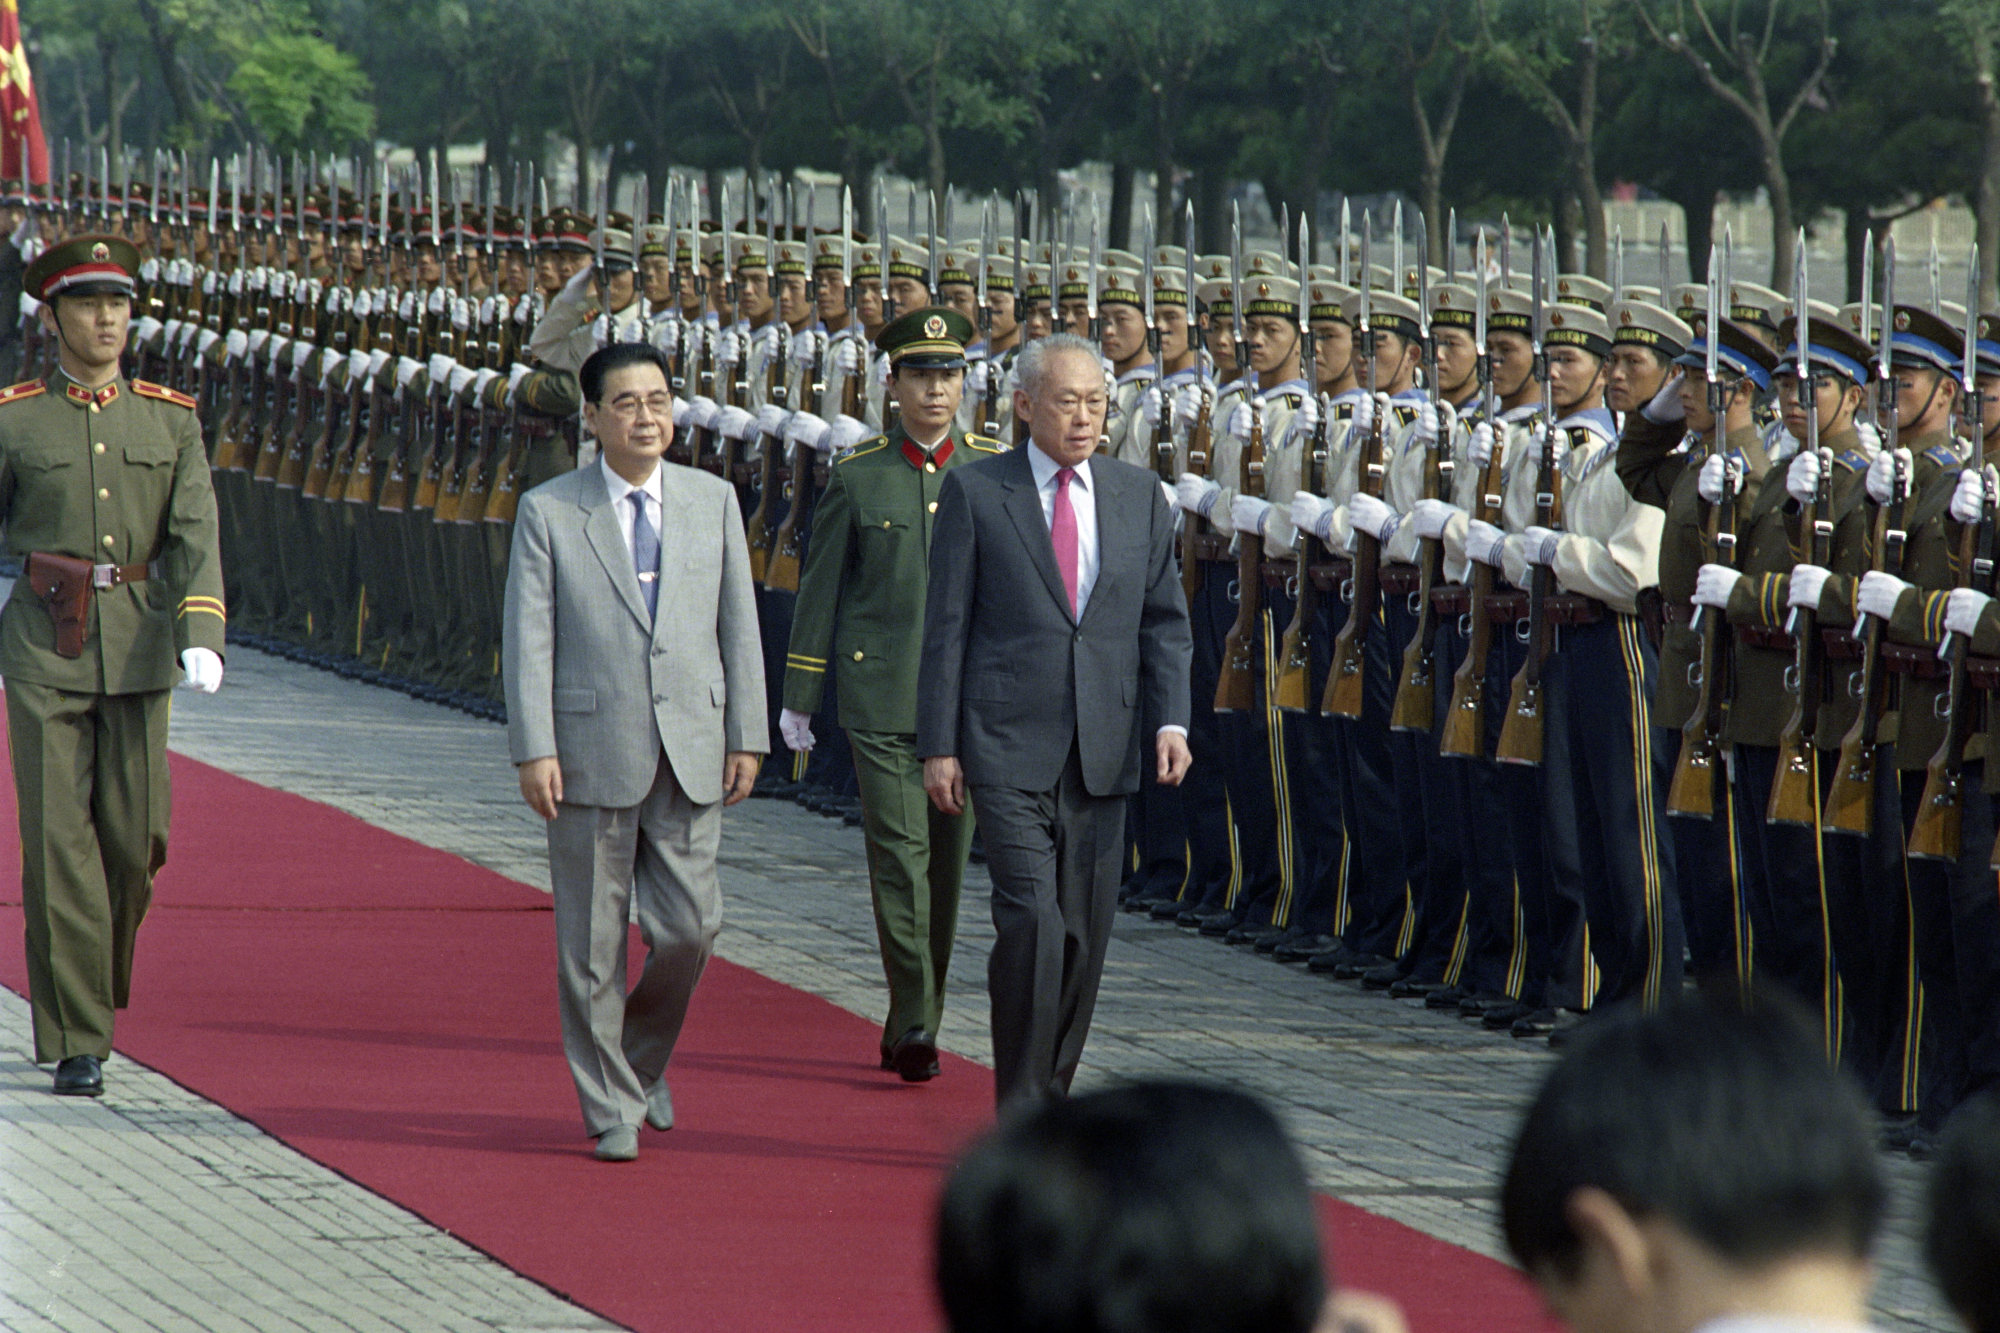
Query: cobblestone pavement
(1399,1110)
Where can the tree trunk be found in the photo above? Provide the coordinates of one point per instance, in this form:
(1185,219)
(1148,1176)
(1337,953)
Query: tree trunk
(1697,203)
(1591,200)
(1779,186)
(1568,214)
(1118,229)
(713,179)
(1430,201)
(1164,223)
(1212,210)
(1857,235)
(1989,194)
(166,46)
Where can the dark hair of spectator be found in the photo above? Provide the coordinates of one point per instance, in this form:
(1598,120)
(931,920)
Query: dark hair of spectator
(1726,1121)
(614,357)
(1154,1208)
(1962,1234)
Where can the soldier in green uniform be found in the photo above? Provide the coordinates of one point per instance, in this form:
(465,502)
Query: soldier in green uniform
(861,605)
(104,490)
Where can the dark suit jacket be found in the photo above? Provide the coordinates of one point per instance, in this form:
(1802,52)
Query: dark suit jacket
(1008,677)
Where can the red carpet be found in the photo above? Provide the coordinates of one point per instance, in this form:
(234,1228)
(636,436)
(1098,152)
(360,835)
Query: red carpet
(389,1010)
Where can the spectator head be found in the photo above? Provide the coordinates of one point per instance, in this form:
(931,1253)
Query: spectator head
(1681,1165)
(1152,1208)
(606,361)
(1962,1237)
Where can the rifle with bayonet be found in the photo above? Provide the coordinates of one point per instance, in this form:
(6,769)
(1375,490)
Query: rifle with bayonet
(1347,671)
(1236,688)
(1464,732)
(1521,732)
(1198,431)
(1294,679)
(1415,706)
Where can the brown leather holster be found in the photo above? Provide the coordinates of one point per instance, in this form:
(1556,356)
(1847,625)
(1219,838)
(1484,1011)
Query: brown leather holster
(63,585)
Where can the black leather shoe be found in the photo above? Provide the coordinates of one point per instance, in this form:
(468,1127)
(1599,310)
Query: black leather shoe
(1446,998)
(1535,1023)
(1382,977)
(1502,1017)
(915,1056)
(80,1076)
(1170,910)
(1267,941)
(1480,1003)
(1414,988)
(1299,948)
(1567,1022)
(1216,924)
(1243,933)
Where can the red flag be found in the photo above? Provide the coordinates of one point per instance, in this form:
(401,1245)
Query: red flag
(22,148)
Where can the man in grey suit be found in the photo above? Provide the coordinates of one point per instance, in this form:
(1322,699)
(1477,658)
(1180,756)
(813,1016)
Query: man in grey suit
(1054,621)
(631,728)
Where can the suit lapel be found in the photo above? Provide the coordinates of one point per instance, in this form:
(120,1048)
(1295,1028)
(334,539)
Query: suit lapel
(601,526)
(1024,507)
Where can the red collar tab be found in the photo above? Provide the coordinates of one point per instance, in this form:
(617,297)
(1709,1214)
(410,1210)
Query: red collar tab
(83,397)
(915,454)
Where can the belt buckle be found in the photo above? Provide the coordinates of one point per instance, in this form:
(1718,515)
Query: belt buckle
(104,576)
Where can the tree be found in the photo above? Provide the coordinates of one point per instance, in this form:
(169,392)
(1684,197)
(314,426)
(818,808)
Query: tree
(302,93)
(1978,24)
(1749,52)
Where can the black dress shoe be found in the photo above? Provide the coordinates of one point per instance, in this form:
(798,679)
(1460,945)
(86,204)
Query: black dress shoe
(1534,1023)
(1244,932)
(1502,1017)
(1300,947)
(1446,998)
(1414,988)
(1382,977)
(80,1076)
(1566,1024)
(1479,1003)
(1169,910)
(1216,924)
(1267,941)
(915,1056)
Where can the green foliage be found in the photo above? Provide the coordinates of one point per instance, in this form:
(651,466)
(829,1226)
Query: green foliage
(300,92)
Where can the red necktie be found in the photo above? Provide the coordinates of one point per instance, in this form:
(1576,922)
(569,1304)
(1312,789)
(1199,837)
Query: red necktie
(1062,531)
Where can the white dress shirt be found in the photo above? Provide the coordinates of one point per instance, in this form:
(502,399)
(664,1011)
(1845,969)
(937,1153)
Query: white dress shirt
(620,488)
(1083,502)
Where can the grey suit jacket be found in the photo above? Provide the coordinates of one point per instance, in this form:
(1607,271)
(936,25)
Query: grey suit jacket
(1008,677)
(590,681)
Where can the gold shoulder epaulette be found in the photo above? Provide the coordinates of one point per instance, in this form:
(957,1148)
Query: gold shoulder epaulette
(161,393)
(985,445)
(874,446)
(14,393)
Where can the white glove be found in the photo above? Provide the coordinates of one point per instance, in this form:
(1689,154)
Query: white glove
(1665,409)
(149,270)
(484,379)
(1188,400)
(771,420)
(1479,450)
(1196,494)
(407,369)
(734,423)
(667,337)
(145,327)
(977,376)
(1560,440)
(236,344)
(1538,545)
(276,349)
(23,232)
(406,309)
(461,376)
(1963,609)
(1426,429)
(1484,542)
(176,331)
(845,433)
(328,359)
(519,371)
(1149,406)
(809,430)
(1802,478)
(1881,475)
(681,408)
(301,353)
(461,315)
(436,302)
(1240,421)
(357,366)
(1365,408)
(376,360)
(205,339)
(440,368)
(1247,513)
(1871,438)
(805,350)
(1306,420)
(1968,499)
(1878,594)
(1720,476)
(1713,584)
(845,355)
(1311,513)
(577,289)
(1432,517)
(701,411)
(1807,582)
(728,348)
(1368,514)
(202,670)
(258,337)
(797,729)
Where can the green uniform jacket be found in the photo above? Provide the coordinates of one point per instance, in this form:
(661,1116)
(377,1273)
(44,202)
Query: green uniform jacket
(1930,565)
(861,595)
(120,478)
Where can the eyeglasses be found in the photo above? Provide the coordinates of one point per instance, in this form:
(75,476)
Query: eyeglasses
(628,407)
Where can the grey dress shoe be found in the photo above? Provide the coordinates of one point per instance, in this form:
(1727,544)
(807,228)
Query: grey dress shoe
(618,1144)
(660,1105)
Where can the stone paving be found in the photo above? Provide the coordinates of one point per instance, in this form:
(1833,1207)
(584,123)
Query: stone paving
(155,1209)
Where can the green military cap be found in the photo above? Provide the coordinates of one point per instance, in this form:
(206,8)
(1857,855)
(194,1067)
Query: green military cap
(573,231)
(1270,294)
(1120,286)
(907,259)
(1637,323)
(1327,295)
(933,336)
(83,266)
(1584,290)
(1453,306)
(1509,310)
(1751,304)
(1737,350)
(1578,326)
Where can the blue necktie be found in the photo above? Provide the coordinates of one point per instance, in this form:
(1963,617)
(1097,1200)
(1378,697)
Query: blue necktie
(646,553)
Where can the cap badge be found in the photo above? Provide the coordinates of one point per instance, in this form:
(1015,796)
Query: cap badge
(1263,289)
(1624,317)
(1556,318)
(100,253)
(1902,321)
(934,327)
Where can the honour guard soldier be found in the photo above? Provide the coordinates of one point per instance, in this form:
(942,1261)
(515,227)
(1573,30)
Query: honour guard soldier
(104,489)
(860,607)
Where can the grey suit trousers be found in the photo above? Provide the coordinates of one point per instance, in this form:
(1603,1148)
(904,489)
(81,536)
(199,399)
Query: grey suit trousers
(1056,858)
(659,855)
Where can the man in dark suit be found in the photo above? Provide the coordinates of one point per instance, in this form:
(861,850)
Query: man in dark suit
(1054,620)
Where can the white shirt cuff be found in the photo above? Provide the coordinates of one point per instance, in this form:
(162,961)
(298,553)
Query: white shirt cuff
(1170,727)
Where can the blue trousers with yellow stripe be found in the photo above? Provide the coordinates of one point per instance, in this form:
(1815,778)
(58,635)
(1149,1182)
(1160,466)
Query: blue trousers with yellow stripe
(1427,803)
(1784,877)
(1708,866)
(1868,918)
(1380,920)
(1321,850)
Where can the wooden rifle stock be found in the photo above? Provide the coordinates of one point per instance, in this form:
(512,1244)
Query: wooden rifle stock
(1465,716)
(788,544)
(1934,836)
(1294,679)
(1699,769)
(1415,706)
(1850,801)
(1521,733)
(1795,785)
(1348,671)
(1198,442)
(1236,689)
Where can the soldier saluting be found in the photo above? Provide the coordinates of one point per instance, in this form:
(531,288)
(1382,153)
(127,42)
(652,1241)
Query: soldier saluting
(104,489)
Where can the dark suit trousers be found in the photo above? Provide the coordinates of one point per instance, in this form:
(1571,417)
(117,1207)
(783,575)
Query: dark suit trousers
(1055,857)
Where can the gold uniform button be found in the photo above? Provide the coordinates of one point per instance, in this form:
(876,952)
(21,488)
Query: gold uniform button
(109,541)
(932,506)
(857,654)
(885,523)
(930,467)
(104,493)
(99,448)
